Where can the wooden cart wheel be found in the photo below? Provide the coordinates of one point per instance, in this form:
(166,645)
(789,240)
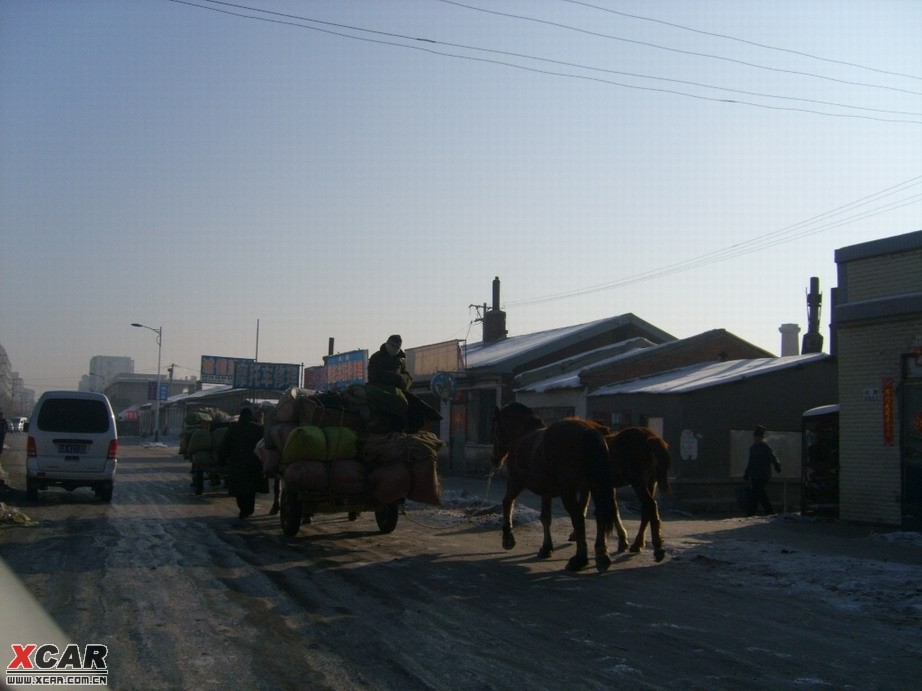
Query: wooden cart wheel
(387,518)
(290,512)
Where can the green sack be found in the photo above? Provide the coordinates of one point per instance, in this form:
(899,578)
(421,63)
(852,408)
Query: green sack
(306,443)
(341,443)
(200,441)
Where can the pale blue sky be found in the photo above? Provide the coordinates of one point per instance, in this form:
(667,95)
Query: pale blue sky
(191,169)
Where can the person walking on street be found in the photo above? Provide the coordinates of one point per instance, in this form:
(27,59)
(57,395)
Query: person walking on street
(3,428)
(236,451)
(759,471)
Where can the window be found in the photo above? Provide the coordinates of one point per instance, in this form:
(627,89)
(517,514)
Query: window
(619,421)
(73,415)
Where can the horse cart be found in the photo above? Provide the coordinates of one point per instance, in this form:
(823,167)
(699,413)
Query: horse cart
(328,462)
(302,497)
(202,432)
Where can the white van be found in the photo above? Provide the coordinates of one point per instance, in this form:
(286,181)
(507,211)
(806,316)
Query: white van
(72,443)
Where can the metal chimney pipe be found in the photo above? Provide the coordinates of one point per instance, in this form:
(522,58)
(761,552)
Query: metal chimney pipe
(496,293)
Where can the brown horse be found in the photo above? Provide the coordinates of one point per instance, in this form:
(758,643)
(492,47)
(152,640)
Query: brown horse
(640,458)
(567,459)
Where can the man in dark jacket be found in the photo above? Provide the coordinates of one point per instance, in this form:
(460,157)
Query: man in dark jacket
(388,384)
(244,471)
(759,471)
(393,407)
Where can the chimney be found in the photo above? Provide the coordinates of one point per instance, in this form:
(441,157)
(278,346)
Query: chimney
(789,333)
(813,339)
(494,320)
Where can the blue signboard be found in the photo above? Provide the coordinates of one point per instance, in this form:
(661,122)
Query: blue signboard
(266,375)
(152,390)
(443,385)
(344,369)
(220,370)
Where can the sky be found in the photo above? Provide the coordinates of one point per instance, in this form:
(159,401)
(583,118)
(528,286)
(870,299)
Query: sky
(258,178)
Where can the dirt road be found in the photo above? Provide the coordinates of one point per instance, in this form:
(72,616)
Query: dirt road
(187,596)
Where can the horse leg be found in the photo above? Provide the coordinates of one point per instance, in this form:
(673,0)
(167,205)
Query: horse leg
(643,493)
(576,510)
(659,552)
(508,504)
(547,548)
(602,559)
(584,504)
(619,528)
(275,497)
(649,515)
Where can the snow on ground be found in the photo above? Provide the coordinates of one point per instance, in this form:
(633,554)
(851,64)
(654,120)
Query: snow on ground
(858,580)
(849,582)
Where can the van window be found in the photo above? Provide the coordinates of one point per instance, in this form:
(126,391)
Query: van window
(73,415)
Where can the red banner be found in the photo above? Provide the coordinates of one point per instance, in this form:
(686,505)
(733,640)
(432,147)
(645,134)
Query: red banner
(887,405)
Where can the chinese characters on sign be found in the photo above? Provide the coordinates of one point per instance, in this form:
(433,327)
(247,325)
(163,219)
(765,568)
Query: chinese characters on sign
(315,378)
(152,390)
(220,370)
(887,405)
(245,373)
(266,375)
(344,369)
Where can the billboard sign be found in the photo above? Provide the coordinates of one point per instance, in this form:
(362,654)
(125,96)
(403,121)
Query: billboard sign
(425,361)
(315,377)
(152,390)
(344,369)
(266,375)
(220,370)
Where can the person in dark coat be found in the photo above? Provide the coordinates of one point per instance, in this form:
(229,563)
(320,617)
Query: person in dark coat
(759,471)
(388,385)
(236,452)
(394,408)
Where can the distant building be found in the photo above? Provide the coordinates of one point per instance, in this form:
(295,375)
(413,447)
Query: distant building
(103,369)
(15,398)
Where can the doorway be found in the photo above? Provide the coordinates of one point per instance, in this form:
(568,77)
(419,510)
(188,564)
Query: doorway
(911,453)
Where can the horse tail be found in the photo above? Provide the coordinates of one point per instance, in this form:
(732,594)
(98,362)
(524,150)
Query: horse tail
(663,462)
(600,478)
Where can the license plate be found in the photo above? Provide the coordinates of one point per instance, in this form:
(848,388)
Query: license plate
(72,449)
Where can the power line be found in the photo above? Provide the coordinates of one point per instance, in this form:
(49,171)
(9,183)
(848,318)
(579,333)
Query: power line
(552,73)
(674,50)
(761,242)
(743,40)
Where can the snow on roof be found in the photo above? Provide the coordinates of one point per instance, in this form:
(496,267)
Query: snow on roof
(485,354)
(702,376)
(563,381)
(497,352)
(571,380)
(822,410)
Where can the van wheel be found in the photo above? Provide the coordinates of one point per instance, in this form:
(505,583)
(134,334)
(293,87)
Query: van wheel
(31,489)
(104,491)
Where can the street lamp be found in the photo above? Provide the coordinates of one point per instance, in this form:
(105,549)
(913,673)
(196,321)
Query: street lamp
(159,332)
